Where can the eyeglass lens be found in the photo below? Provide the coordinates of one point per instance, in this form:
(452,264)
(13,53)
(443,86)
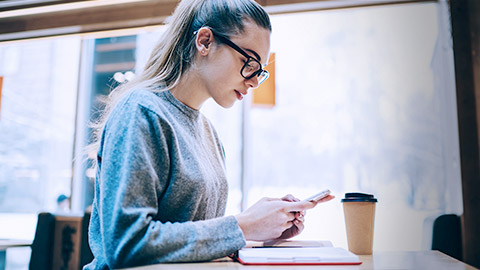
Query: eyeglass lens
(250,68)
(253,68)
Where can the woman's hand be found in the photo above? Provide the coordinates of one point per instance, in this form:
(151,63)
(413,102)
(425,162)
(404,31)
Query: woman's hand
(268,218)
(298,225)
(272,218)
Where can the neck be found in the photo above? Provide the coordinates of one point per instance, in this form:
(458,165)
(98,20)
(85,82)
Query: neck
(190,91)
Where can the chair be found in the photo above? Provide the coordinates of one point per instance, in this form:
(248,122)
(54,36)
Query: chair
(60,242)
(447,235)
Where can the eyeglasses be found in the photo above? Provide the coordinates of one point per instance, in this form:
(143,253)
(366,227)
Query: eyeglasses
(252,66)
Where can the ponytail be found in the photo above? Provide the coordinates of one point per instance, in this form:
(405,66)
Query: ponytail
(175,51)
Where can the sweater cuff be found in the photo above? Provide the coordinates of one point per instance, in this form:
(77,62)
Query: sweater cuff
(236,231)
(220,236)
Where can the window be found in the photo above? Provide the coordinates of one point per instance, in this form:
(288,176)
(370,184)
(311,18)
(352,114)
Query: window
(37,123)
(107,61)
(360,107)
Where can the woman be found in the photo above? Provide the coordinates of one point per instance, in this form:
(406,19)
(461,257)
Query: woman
(161,189)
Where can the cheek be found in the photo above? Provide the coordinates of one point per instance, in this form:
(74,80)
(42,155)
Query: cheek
(227,68)
(226,75)
(227,64)
(222,72)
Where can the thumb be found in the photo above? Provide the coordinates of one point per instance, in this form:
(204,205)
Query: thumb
(300,206)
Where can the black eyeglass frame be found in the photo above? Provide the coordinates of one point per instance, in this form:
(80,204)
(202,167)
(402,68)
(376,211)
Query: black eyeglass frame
(242,52)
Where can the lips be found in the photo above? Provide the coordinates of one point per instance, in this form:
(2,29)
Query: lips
(240,94)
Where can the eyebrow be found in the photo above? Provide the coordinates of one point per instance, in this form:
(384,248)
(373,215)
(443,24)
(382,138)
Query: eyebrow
(256,55)
(236,47)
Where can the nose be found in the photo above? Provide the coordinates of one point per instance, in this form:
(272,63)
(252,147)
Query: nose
(252,82)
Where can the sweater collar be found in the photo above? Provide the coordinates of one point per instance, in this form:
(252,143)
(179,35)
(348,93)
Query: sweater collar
(190,112)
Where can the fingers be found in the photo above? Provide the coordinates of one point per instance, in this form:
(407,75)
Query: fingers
(291,216)
(288,225)
(290,198)
(300,206)
(326,199)
(305,205)
(300,216)
(299,224)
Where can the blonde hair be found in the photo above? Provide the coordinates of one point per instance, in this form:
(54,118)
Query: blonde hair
(175,51)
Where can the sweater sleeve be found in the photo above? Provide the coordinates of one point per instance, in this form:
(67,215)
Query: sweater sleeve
(133,174)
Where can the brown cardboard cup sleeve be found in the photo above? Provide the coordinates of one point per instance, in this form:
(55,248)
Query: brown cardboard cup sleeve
(359,211)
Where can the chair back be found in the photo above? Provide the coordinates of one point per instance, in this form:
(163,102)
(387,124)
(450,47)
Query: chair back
(60,242)
(447,235)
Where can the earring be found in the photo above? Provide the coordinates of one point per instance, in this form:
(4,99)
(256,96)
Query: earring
(203,51)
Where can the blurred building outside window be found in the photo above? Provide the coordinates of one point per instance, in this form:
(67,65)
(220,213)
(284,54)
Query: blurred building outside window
(37,128)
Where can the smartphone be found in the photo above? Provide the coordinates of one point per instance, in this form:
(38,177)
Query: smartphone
(318,196)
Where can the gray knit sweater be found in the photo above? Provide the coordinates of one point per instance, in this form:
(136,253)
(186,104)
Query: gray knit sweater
(160,189)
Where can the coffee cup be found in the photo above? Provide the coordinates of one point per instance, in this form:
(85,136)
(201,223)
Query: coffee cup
(359,211)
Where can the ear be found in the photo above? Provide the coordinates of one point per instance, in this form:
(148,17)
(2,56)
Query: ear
(203,40)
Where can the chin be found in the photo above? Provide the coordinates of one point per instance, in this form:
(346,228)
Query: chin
(225,103)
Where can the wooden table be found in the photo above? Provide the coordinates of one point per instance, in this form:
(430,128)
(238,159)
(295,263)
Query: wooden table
(408,260)
(8,243)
